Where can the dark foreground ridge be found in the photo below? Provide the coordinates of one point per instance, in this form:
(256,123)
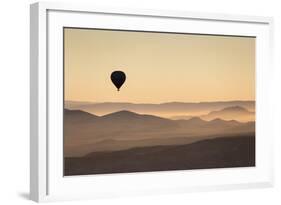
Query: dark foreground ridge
(223,152)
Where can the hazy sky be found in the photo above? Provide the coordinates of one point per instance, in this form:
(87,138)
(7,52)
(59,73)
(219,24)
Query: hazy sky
(159,67)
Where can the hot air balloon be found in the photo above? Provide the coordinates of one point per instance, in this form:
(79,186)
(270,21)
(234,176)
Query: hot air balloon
(118,78)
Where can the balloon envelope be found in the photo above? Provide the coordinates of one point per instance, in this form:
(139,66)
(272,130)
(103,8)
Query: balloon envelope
(118,78)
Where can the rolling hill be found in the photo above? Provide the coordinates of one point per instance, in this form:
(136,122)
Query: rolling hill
(237,113)
(238,151)
(229,113)
(166,110)
(85,133)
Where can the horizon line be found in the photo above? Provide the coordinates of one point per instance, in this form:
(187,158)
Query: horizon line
(222,101)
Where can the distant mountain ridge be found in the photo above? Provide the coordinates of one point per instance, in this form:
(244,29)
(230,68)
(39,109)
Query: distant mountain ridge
(228,113)
(163,109)
(84,132)
(235,108)
(128,114)
(237,113)
(74,116)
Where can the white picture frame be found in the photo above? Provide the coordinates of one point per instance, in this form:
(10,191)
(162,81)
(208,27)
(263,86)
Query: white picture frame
(47,182)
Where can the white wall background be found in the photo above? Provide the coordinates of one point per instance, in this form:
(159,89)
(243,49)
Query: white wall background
(14,101)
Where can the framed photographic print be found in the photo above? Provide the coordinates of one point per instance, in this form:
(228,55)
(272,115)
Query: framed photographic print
(127,102)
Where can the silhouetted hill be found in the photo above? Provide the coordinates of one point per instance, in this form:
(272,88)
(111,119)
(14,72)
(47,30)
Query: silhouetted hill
(122,114)
(84,132)
(78,116)
(127,115)
(213,153)
(237,113)
(223,123)
(235,109)
(230,113)
(196,121)
(216,125)
(164,109)
(126,120)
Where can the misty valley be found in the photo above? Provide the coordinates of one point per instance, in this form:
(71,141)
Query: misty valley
(102,138)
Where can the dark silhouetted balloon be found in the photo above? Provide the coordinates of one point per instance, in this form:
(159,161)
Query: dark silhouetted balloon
(118,78)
